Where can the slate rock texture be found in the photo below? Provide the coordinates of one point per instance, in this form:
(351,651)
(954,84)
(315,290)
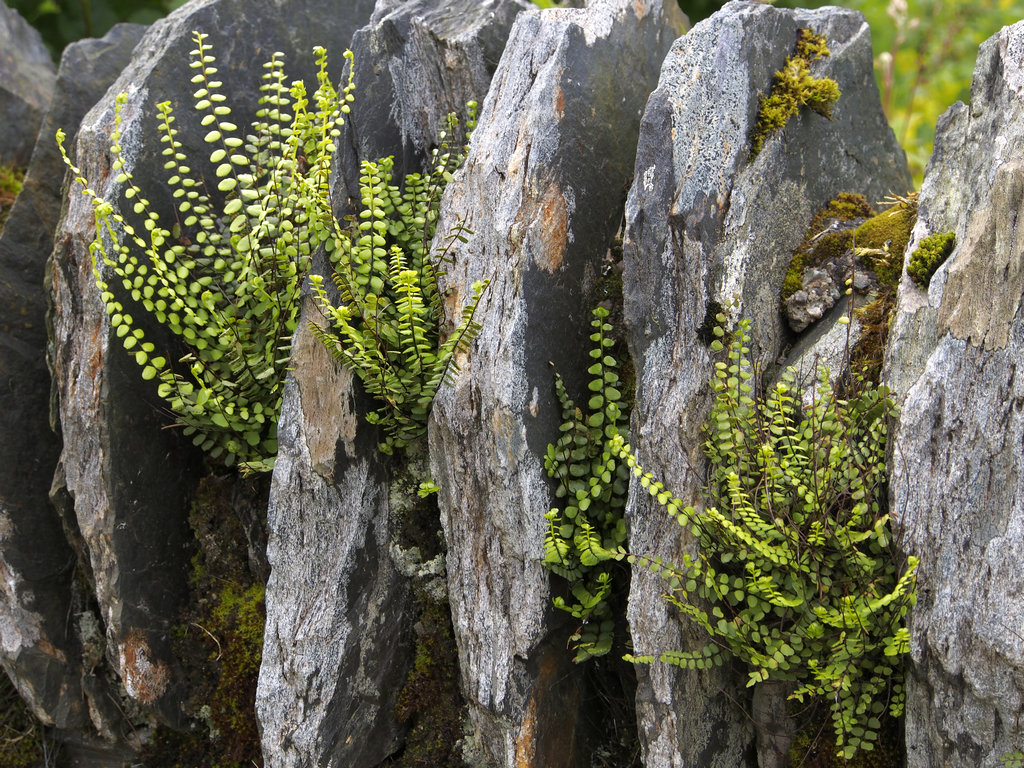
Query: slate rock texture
(957,485)
(38,647)
(130,477)
(415,63)
(542,192)
(340,612)
(708,229)
(27,77)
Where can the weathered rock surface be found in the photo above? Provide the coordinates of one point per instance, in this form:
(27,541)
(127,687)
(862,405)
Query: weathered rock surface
(130,477)
(27,76)
(957,485)
(707,226)
(542,192)
(39,648)
(415,63)
(340,613)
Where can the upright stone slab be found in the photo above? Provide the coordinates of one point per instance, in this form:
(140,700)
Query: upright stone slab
(400,102)
(706,225)
(129,475)
(542,193)
(957,484)
(38,646)
(27,77)
(340,614)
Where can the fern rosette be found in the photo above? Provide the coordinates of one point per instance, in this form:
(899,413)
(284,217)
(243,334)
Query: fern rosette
(224,277)
(795,553)
(586,535)
(386,324)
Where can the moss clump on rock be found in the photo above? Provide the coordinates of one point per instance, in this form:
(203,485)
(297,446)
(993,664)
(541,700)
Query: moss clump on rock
(10,185)
(818,248)
(888,232)
(795,87)
(928,256)
(884,238)
(430,703)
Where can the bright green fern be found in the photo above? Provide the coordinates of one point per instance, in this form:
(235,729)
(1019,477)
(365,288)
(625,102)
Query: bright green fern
(386,327)
(587,534)
(223,277)
(795,554)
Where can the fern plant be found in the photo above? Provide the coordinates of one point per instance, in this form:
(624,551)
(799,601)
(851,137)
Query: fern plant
(386,327)
(795,547)
(587,534)
(223,276)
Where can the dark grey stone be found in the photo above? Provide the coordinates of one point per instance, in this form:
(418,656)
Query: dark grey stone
(707,226)
(130,477)
(340,613)
(542,191)
(40,650)
(27,76)
(956,484)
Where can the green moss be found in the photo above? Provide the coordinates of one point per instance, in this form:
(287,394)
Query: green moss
(10,185)
(21,735)
(887,234)
(220,638)
(818,248)
(888,231)
(795,87)
(929,255)
(430,703)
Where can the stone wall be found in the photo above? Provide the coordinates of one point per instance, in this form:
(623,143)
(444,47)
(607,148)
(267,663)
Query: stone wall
(599,127)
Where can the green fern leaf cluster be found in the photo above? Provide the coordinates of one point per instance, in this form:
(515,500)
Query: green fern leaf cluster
(795,557)
(587,534)
(386,326)
(224,276)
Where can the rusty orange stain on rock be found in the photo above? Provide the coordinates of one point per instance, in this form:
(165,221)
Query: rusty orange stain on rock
(144,679)
(539,741)
(526,739)
(548,222)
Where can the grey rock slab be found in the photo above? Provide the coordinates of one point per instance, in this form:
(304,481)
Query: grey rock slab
(707,226)
(27,76)
(415,63)
(128,475)
(542,192)
(38,649)
(957,483)
(340,611)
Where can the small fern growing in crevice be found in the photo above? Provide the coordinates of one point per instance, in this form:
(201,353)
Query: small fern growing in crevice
(224,278)
(587,535)
(795,549)
(386,327)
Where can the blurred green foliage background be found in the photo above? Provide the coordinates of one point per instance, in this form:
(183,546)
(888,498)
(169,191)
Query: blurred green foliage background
(924,49)
(924,58)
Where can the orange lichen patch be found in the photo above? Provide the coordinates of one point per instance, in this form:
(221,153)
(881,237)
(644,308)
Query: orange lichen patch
(548,220)
(559,103)
(329,419)
(144,679)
